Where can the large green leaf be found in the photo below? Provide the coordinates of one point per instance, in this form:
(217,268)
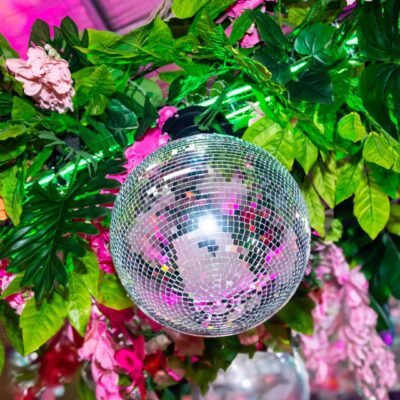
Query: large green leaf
(9,131)
(378,29)
(313,87)
(378,151)
(315,207)
(12,191)
(297,315)
(22,110)
(79,301)
(272,137)
(349,177)
(270,32)
(386,179)
(324,177)
(350,127)
(276,65)
(378,87)
(40,323)
(187,8)
(91,276)
(111,294)
(314,39)
(371,206)
(306,153)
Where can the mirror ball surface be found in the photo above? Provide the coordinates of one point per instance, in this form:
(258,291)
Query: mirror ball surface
(210,235)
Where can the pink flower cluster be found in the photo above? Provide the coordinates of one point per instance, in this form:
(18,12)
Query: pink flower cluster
(46,78)
(344,329)
(99,348)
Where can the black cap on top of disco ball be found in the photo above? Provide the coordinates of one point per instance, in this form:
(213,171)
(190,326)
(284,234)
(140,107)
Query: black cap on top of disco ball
(184,123)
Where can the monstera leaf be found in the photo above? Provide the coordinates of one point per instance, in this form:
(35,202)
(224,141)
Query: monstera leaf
(51,224)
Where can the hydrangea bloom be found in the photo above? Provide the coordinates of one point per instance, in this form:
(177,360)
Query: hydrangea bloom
(46,78)
(344,329)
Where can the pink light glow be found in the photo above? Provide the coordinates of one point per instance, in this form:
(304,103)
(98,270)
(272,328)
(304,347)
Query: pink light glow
(18,16)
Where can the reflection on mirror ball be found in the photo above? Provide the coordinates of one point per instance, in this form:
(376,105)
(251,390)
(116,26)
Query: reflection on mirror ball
(210,235)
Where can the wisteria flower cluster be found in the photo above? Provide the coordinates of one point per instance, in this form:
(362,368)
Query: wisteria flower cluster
(345,329)
(46,78)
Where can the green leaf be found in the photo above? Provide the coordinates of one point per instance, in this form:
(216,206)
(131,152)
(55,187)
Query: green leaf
(79,301)
(187,8)
(350,127)
(102,39)
(349,177)
(387,180)
(377,150)
(39,324)
(272,137)
(92,272)
(306,153)
(335,231)
(315,207)
(314,39)
(313,87)
(270,32)
(378,87)
(371,206)
(40,33)
(393,225)
(111,294)
(12,191)
(378,30)
(22,110)
(11,131)
(10,322)
(5,49)
(297,315)
(120,122)
(91,82)
(324,177)
(70,32)
(276,65)
(240,26)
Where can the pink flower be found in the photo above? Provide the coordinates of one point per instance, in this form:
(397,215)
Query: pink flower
(47,79)
(132,361)
(237,9)
(99,349)
(344,329)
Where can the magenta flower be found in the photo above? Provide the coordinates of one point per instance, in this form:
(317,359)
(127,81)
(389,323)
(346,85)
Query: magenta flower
(47,79)
(237,9)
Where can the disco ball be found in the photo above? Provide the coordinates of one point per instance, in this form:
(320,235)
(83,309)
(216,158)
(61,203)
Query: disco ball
(210,235)
(266,376)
